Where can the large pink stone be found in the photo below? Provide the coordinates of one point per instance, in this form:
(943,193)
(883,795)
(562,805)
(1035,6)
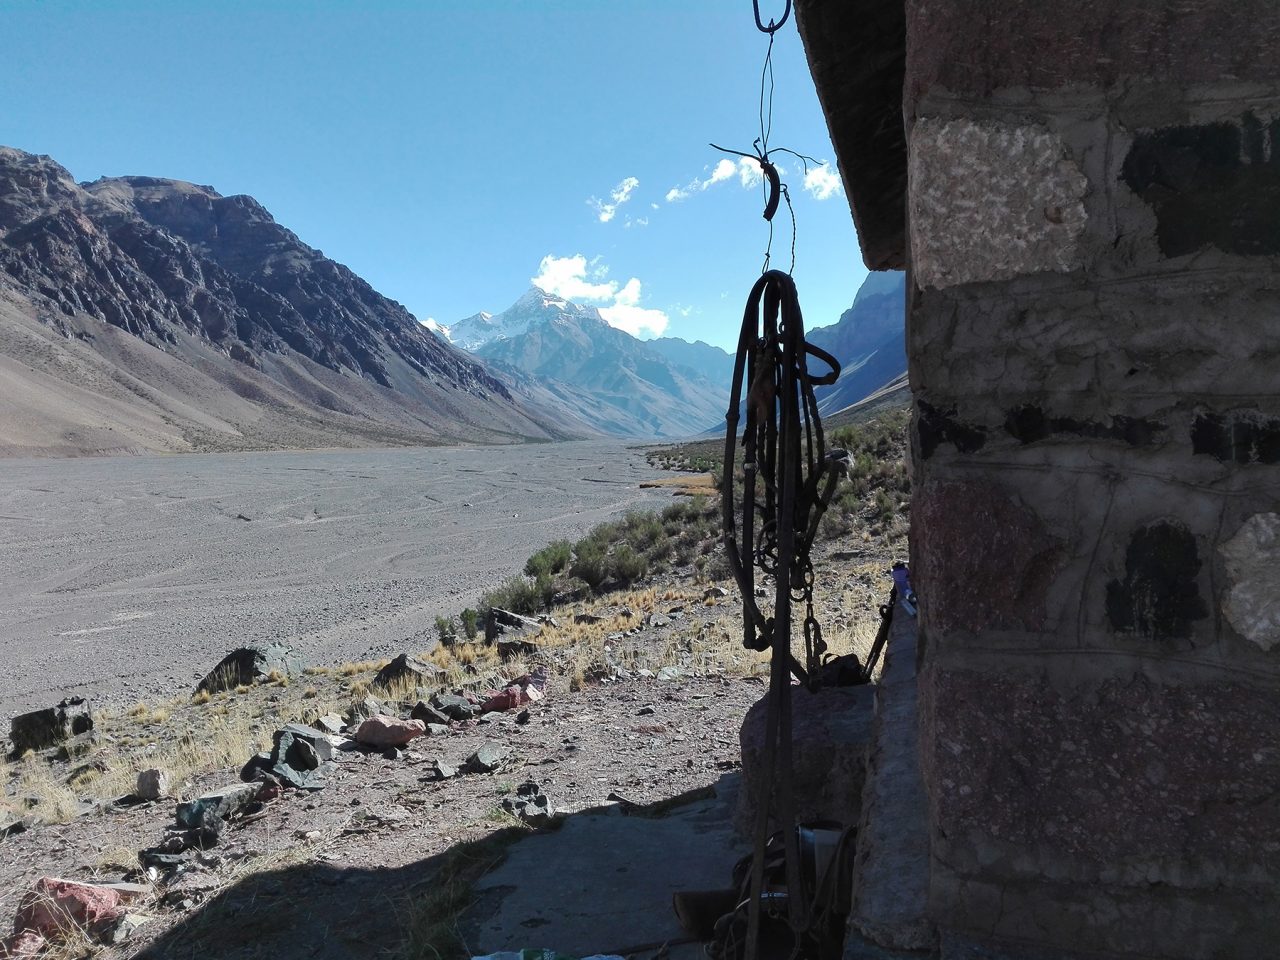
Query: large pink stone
(383,731)
(54,905)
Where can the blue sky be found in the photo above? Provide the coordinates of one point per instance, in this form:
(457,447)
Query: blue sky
(450,153)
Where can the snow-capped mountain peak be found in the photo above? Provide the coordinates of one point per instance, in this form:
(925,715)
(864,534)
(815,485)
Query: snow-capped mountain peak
(534,307)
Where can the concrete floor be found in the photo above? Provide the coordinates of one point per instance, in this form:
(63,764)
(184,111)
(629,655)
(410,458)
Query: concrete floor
(603,882)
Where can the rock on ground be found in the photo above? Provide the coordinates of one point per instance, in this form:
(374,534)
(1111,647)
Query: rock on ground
(831,735)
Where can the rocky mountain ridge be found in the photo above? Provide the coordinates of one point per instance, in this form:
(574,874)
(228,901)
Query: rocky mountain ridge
(283,346)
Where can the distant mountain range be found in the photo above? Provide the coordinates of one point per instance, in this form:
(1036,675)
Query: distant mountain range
(553,349)
(140,314)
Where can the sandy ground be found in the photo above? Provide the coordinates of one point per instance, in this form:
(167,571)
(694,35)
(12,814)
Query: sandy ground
(123,578)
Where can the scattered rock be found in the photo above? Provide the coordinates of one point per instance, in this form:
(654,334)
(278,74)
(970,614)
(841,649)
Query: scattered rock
(509,648)
(406,671)
(526,689)
(10,826)
(831,737)
(428,715)
(163,860)
(392,753)
(646,711)
(437,729)
(302,746)
(53,905)
(670,673)
(216,805)
(454,707)
(490,757)
(301,757)
(257,767)
(190,889)
(330,723)
(714,593)
(382,732)
(81,745)
(125,928)
(25,943)
(522,717)
(364,709)
(153,784)
(529,804)
(444,771)
(504,625)
(251,664)
(587,618)
(51,726)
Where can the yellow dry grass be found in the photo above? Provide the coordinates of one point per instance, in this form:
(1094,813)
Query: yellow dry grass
(685,485)
(186,737)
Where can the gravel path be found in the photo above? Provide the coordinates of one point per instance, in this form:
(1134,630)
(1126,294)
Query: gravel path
(123,578)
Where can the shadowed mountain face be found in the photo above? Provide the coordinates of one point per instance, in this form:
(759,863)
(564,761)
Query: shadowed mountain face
(255,314)
(601,374)
(869,340)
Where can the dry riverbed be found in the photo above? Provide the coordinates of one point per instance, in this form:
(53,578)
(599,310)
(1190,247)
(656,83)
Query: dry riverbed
(125,578)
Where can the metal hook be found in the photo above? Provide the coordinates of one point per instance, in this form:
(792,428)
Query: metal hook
(772,27)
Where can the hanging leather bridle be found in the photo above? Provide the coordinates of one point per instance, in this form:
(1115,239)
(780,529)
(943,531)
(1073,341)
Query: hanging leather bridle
(788,480)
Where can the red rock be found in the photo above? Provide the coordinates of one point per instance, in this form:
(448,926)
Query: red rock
(27,943)
(385,732)
(53,905)
(526,689)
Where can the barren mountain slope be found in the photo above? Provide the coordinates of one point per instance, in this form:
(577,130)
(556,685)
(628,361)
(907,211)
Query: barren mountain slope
(145,314)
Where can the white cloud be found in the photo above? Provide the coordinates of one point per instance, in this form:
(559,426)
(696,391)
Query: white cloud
(823,182)
(626,313)
(568,277)
(636,222)
(619,195)
(747,171)
(723,171)
(574,279)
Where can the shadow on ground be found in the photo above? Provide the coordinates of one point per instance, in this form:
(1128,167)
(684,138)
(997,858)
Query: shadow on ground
(598,881)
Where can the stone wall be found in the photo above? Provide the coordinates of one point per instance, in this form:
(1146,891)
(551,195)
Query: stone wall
(1094,342)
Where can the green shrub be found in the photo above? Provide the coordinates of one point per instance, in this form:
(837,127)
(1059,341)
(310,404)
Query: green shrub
(552,559)
(589,563)
(447,629)
(519,595)
(642,529)
(627,565)
(470,620)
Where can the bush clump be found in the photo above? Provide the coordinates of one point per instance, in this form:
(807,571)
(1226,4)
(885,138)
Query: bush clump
(552,559)
(470,622)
